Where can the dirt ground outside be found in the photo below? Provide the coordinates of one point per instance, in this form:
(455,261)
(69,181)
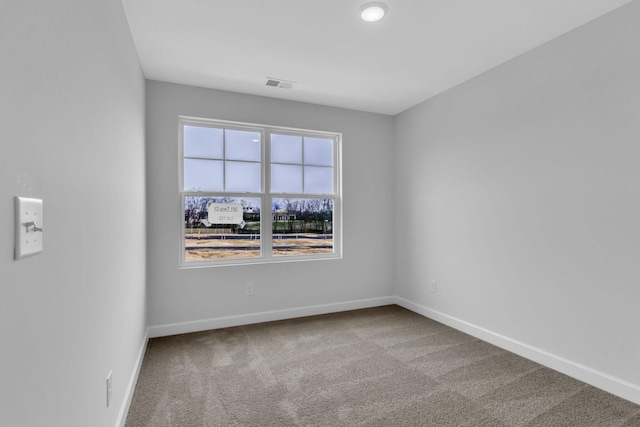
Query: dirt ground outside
(201,247)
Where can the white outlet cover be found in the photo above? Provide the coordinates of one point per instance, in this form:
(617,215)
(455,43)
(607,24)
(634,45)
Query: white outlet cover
(28,227)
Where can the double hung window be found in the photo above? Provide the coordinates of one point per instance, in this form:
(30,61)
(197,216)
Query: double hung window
(251,193)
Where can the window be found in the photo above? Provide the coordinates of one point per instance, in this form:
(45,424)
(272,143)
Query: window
(251,194)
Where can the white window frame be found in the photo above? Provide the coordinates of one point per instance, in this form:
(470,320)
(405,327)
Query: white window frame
(266,233)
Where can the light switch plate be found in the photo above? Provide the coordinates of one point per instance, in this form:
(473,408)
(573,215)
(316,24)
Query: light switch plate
(28,227)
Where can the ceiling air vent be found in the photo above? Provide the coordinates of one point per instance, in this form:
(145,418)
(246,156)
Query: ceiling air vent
(282,84)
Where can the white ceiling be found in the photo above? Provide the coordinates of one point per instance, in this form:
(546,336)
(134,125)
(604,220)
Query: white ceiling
(421,48)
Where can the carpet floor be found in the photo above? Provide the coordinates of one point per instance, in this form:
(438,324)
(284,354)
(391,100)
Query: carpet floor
(384,366)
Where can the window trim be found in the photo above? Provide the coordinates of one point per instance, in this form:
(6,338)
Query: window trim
(266,233)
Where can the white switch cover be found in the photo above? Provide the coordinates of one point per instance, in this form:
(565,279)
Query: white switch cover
(29,227)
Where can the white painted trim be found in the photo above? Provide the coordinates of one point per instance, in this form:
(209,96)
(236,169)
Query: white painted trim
(601,380)
(131,387)
(265,316)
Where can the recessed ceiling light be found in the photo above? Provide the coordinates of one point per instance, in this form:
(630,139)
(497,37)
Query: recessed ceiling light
(373,11)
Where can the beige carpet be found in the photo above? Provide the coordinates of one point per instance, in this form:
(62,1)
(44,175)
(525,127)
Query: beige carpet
(377,367)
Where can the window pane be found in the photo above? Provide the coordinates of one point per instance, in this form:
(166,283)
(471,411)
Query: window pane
(318,151)
(318,180)
(242,176)
(204,240)
(286,149)
(202,175)
(286,178)
(302,226)
(242,145)
(202,142)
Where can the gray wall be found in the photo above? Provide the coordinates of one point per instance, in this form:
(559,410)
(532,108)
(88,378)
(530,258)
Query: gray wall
(72,130)
(198,295)
(524,188)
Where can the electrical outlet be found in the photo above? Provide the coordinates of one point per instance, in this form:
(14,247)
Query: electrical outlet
(249,289)
(433,286)
(109,388)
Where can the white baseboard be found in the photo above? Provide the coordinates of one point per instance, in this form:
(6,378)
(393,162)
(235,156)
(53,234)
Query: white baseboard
(265,316)
(131,387)
(613,385)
